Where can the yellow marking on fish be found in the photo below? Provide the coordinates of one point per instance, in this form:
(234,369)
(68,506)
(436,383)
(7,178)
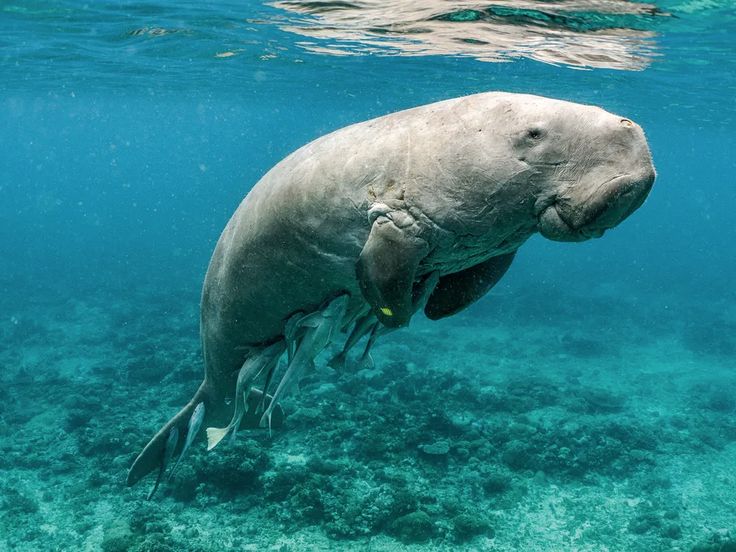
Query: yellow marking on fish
(387,311)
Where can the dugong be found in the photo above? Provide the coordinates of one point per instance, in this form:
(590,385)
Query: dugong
(361,228)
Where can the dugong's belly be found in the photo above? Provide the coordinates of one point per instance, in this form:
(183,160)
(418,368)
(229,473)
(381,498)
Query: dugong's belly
(278,255)
(255,284)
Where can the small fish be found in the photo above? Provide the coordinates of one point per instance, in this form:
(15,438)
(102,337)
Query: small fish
(293,332)
(319,327)
(269,376)
(195,423)
(362,327)
(171,443)
(250,370)
(377,330)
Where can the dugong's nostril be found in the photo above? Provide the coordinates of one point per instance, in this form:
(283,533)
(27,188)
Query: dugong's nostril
(627,123)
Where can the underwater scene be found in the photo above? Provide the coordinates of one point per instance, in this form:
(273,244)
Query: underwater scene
(570,381)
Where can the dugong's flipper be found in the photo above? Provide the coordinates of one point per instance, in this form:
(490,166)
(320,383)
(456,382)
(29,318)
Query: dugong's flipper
(457,291)
(420,296)
(388,263)
(369,325)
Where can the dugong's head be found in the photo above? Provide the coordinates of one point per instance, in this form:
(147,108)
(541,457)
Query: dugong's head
(518,163)
(589,169)
(482,174)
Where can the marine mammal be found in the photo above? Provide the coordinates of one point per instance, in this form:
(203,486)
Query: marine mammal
(370,213)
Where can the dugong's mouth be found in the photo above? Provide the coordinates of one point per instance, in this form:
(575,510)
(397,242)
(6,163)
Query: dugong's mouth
(553,227)
(587,212)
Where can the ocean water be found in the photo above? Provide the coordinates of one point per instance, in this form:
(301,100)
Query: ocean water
(587,403)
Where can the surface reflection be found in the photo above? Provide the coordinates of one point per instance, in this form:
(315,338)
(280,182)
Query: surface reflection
(614,34)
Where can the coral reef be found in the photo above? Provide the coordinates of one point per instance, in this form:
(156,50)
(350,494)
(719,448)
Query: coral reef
(483,445)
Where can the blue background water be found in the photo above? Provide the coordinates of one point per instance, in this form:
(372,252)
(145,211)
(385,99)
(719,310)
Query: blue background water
(132,155)
(122,156)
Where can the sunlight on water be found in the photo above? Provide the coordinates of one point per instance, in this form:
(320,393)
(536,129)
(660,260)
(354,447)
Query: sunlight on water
(613,34)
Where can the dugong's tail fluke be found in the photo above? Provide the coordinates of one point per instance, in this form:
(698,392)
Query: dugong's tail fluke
(206,406)
(153,454)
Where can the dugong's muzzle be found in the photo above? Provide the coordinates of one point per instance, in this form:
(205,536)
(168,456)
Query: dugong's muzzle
(601,198)
(611,203)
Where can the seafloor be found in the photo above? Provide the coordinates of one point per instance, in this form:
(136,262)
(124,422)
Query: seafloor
(537,421)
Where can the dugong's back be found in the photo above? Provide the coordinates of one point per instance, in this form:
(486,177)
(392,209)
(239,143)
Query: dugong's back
(295,239)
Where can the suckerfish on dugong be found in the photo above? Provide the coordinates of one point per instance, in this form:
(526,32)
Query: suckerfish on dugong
(424,208)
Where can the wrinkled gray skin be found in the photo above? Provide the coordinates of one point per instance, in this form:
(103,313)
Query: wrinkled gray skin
(370,209)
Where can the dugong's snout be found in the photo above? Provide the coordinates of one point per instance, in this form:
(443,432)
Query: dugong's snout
(602,197)
(613,201)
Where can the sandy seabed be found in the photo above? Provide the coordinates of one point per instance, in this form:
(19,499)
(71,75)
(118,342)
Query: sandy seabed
(533,421)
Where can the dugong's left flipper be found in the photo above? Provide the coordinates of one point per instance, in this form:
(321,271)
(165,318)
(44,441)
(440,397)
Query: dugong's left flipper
(387,267)
(420,296)
(457,291)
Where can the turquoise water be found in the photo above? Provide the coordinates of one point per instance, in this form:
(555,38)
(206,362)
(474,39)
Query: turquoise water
(587,403)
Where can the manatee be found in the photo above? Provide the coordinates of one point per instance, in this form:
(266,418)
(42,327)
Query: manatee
(371,211)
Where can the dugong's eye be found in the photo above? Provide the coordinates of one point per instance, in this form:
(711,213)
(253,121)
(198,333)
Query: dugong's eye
(535,133)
